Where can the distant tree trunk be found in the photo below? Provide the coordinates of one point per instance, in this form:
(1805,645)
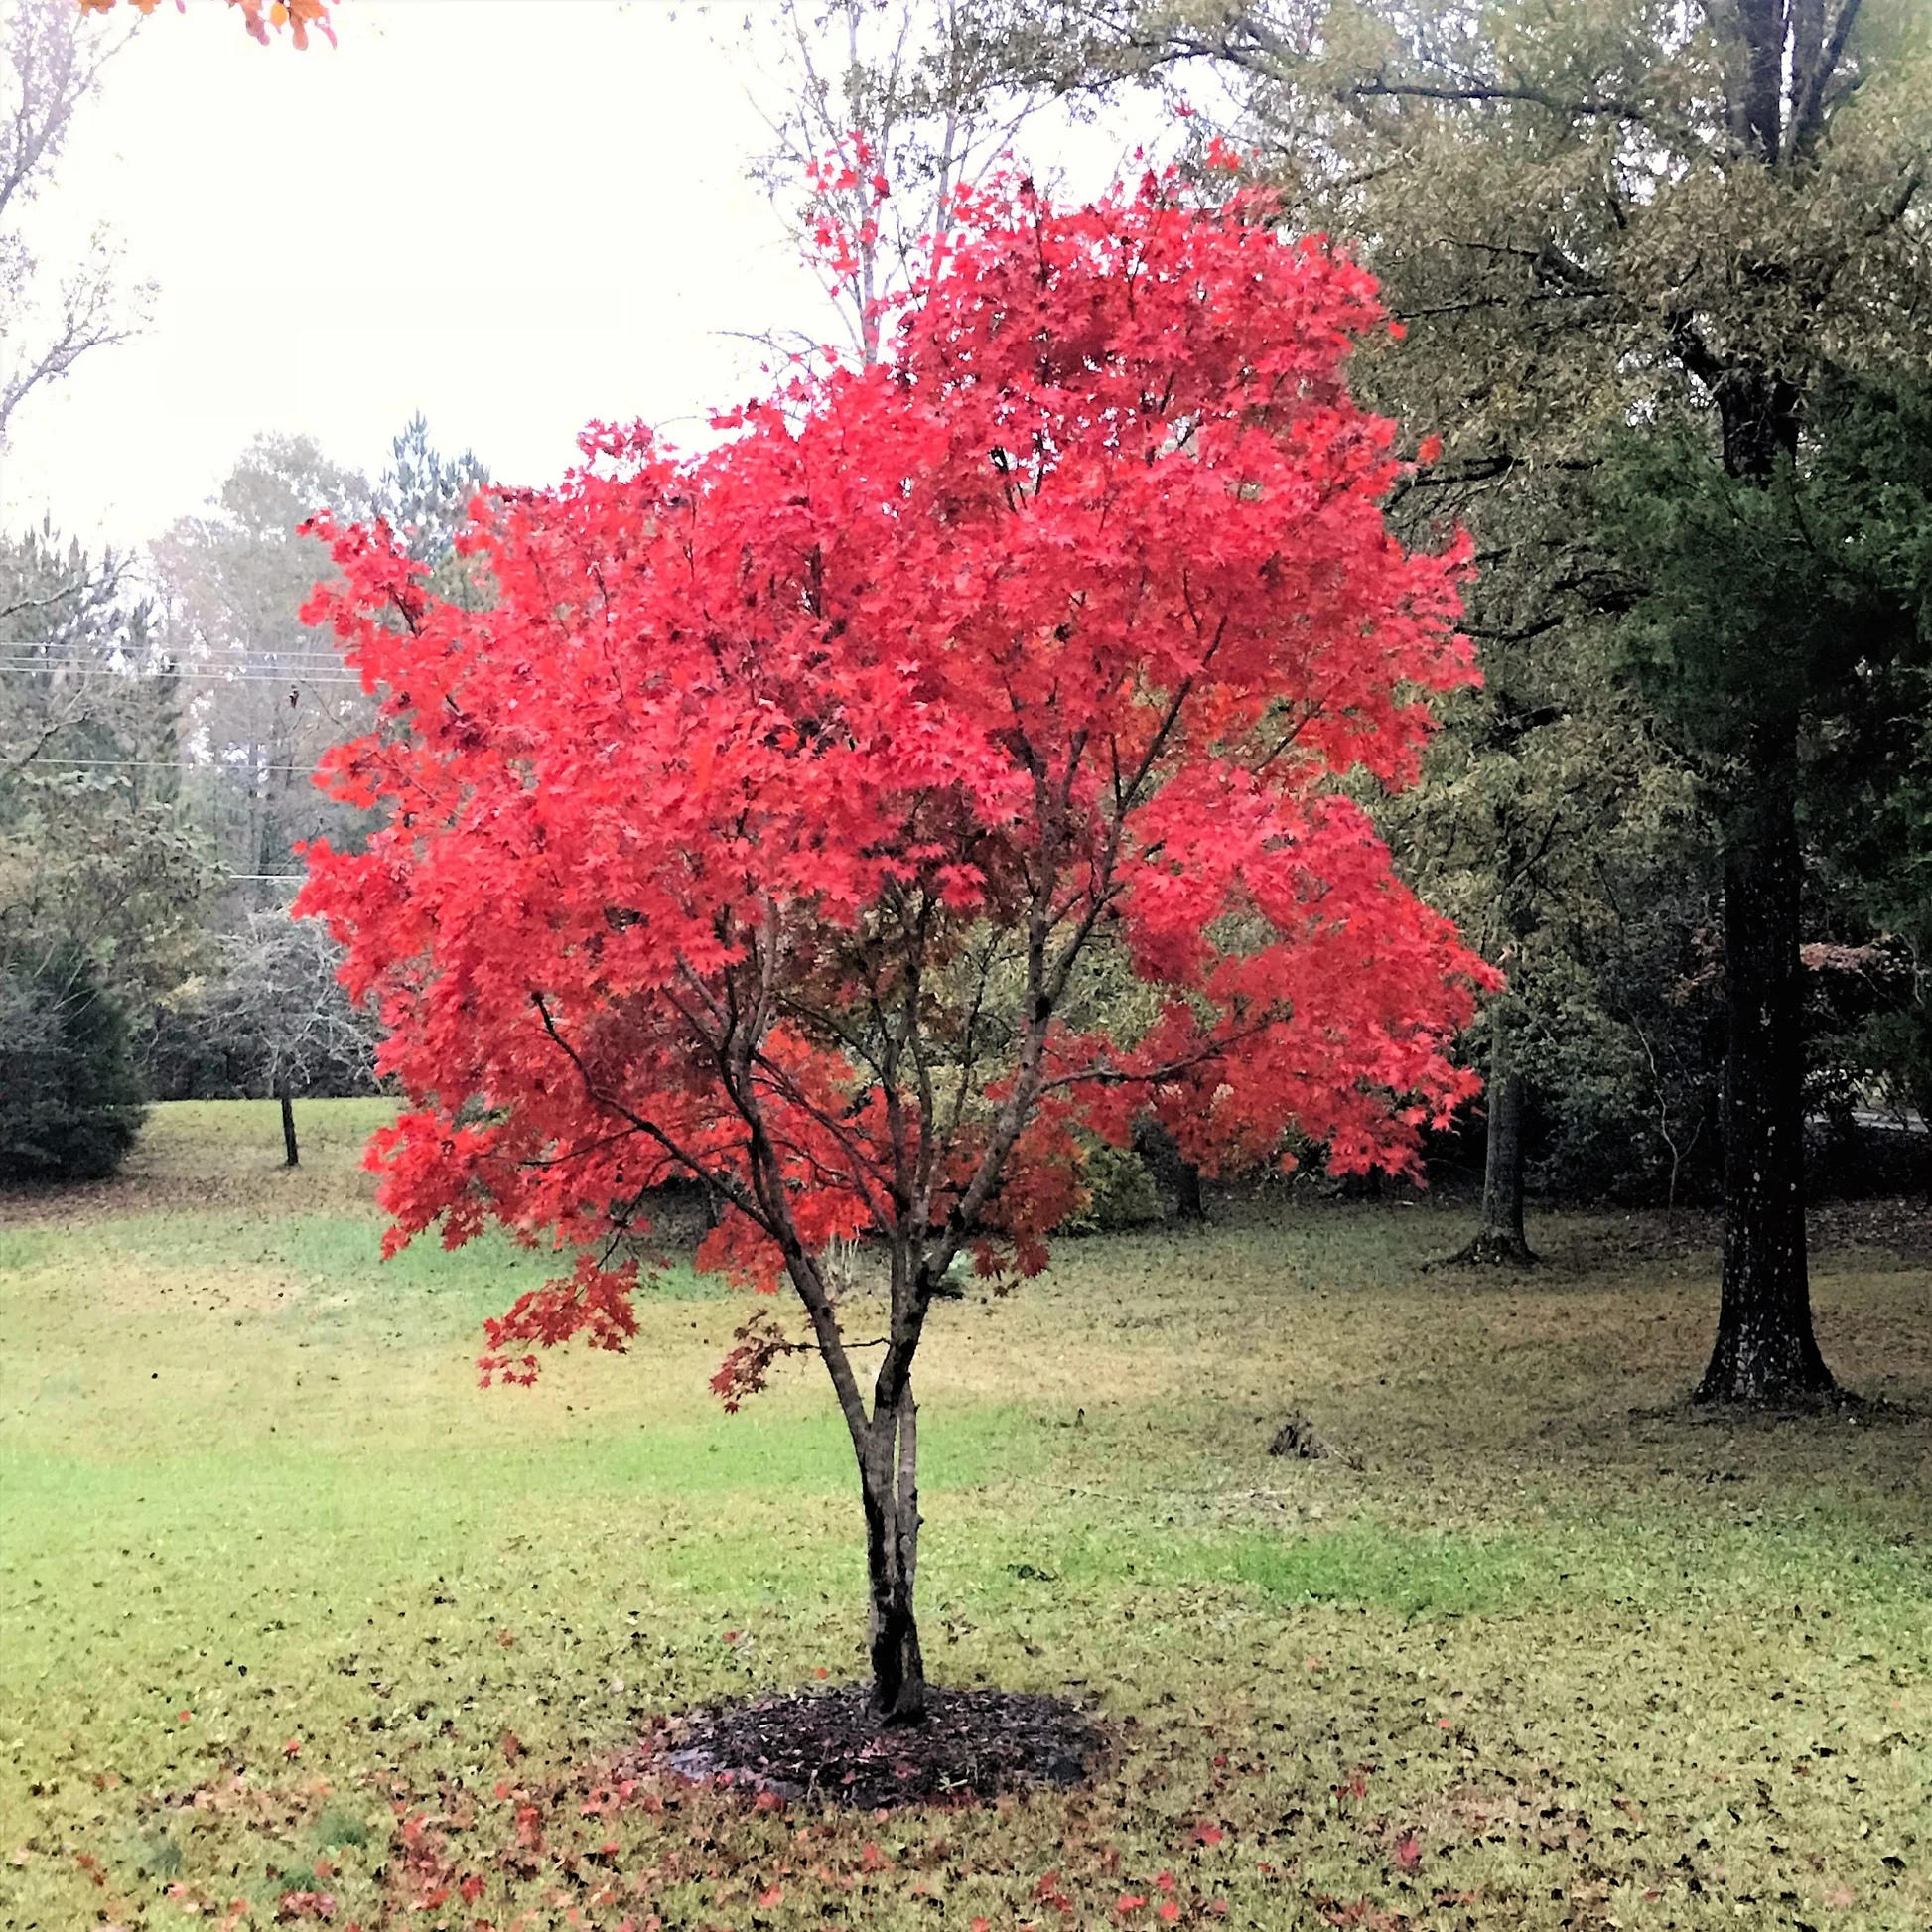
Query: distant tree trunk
(1187,1191)
(888,1477)
(1161,1155)
(1765,1350)
(1502,1172)
(1499,1238)
(288,1121)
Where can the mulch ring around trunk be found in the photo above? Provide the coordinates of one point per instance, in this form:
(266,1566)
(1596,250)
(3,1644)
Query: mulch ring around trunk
(826,1747)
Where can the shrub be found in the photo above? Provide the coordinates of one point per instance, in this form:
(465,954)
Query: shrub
(70,1101)
(1121,1192)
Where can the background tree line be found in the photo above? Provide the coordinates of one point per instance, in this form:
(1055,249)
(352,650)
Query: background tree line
(160,725)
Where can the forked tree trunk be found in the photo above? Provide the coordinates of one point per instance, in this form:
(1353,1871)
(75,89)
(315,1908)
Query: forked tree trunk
(291,1153)
(888,1477)
(1765,1350)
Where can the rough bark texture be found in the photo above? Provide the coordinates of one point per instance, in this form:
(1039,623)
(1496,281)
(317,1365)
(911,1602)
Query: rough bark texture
(1501,1233)
(889,1474)
(292,1154)
(1499,1238)
(1765,1350)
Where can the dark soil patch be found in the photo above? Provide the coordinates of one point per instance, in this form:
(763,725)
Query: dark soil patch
(1832,1405)
(826,1745)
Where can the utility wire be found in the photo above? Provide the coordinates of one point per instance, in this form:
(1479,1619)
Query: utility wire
(201,667)
(234,666)
(154,765)
(301,679)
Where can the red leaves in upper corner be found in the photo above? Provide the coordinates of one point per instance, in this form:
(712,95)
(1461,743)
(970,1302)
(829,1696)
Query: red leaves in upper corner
(259,16)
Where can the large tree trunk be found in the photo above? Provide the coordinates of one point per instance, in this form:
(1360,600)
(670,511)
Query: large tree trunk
(291,1153)
(1765,1351)
(888,1477)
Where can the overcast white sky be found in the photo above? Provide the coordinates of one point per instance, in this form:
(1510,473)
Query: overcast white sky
(511,214)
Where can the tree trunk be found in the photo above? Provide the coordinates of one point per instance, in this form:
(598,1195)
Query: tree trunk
(289,1147)
(1161,1155)
(1499,1238)
(1765,1351)
(1501,1233)
(1187,1191)
(889,1478)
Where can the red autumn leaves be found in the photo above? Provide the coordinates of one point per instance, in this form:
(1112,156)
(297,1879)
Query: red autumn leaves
(728,842)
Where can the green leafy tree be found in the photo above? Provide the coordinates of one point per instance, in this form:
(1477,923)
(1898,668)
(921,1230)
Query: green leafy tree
(1563,837)
(425,498)
(70,1098)
(101,879)
(1802,597)
(97,851)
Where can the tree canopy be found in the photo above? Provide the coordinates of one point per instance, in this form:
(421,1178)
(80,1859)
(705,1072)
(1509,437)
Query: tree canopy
(768,829)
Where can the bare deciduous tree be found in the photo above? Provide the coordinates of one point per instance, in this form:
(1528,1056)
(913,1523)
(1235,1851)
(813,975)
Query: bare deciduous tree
(278,1012)
(51,60)
(909,97)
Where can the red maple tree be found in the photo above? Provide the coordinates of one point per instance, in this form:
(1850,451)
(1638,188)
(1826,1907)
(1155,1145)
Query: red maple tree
(944,762)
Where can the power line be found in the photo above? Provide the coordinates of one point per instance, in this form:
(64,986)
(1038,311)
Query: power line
(303,678)
(219,667)
(37,655)
(155,765)
(53,651)
(27,653)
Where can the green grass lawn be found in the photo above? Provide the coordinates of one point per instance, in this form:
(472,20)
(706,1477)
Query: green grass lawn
(289,1609)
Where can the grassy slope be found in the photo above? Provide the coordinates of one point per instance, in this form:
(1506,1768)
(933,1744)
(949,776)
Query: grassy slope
(279,1585)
